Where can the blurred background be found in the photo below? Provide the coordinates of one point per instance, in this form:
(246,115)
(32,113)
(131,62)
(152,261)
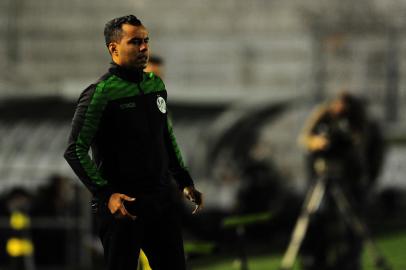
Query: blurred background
(242,77)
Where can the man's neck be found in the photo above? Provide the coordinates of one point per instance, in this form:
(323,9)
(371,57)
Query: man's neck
(127,73)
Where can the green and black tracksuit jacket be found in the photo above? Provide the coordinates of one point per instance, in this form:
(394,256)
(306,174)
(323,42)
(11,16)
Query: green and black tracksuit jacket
(123,119)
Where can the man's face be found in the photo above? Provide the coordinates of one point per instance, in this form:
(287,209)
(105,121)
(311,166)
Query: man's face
(132,51)
(338,107)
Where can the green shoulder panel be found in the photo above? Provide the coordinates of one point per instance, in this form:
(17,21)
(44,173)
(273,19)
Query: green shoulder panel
(117,88)
(152,83)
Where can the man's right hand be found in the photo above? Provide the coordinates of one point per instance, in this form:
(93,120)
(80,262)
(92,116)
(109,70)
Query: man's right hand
(117,208)
(318,143)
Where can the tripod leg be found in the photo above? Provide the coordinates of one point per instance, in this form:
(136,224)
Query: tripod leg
(358,226)
(243,253)
(311,204)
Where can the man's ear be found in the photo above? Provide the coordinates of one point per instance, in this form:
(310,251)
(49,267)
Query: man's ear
(113,48)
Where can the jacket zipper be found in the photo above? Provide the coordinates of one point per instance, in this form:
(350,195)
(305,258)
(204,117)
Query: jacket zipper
(145,108)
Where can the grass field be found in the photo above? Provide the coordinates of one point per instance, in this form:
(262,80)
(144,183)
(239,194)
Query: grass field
(393,247)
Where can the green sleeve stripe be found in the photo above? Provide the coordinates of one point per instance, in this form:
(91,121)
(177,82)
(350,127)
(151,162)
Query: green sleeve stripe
(92,119)
(175,145)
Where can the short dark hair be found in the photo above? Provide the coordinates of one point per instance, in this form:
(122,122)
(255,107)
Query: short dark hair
(355,109)
(113,29)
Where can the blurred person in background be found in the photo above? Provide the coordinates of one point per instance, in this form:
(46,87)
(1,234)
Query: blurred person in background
(155,65)
(260,190)
(17,201)
(123,118)
(55,199)
(342,136)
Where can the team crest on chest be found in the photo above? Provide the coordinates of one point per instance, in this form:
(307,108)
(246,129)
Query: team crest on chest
(160,102)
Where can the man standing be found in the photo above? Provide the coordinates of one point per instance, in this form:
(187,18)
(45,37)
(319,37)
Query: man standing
(123,118)
(345,146)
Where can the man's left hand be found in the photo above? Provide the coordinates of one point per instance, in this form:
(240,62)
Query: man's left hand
(194,196)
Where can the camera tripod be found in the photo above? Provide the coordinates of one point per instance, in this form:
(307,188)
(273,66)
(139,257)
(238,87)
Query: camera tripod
(326,183)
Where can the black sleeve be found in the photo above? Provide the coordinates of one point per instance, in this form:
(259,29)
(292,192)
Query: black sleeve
(177,167)
(85,124)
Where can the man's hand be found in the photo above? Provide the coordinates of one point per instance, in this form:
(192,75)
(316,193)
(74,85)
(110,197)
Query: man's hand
(117,208)
(318,143)
(194,196)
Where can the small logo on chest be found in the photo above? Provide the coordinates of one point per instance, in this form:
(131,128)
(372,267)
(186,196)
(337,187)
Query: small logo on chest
(160,102)
(127,105)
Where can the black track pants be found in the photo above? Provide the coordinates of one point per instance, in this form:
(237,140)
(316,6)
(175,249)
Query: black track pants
(156,231)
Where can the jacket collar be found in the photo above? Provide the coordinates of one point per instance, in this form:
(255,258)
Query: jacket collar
(125,73)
